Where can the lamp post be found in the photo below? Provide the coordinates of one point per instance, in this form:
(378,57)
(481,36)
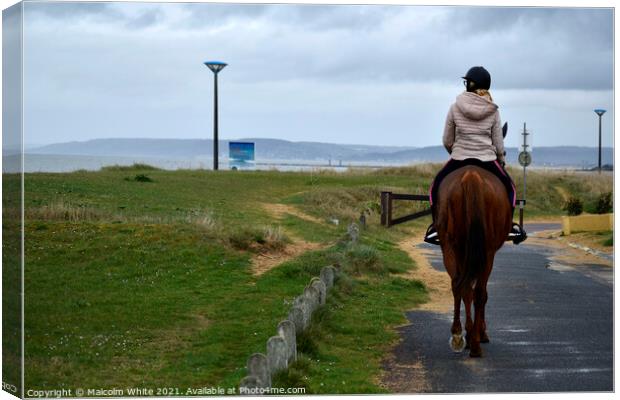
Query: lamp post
(216,67)
(600,113)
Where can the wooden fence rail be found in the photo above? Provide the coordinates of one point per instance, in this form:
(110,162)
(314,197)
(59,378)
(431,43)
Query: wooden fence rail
(387,204)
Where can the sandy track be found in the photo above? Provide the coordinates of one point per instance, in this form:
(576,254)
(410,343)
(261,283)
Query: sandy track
(264,262)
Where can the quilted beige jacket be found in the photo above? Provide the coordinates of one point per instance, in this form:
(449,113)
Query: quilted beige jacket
(473,129)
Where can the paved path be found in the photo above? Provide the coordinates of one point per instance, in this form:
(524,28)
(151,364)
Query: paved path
(550,326)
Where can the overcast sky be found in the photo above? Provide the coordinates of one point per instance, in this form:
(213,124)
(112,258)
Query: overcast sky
(342,74)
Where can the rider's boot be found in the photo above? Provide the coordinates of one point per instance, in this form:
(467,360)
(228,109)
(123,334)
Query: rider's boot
(431,235)
(517,234)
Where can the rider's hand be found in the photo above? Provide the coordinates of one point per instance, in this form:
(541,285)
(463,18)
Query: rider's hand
(502,161)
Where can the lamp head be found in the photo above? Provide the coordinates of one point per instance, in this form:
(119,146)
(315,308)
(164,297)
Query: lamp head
(215,66)
(599,111)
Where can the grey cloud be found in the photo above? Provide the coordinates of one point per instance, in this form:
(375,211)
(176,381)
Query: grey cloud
(335,16)
(522,47)
(146,19)
(591,26)
(307,16)
(203,14)
(72,10)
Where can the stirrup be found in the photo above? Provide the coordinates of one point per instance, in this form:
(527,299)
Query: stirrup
(431,235)
(517,234)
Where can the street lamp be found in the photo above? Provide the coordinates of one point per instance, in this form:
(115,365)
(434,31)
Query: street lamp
(600,113)
(216,67)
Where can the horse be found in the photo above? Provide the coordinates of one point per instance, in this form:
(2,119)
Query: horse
(473,220)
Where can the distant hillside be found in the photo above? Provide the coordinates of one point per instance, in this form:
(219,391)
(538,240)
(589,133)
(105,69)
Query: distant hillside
(541,156)
(277,149)
(272,149)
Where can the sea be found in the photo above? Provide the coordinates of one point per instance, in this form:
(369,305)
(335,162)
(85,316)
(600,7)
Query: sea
(69,163)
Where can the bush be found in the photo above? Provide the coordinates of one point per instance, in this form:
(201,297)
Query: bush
(604,204)
(573,206)
(255,239)
(361,258)
(245,238)
(142,178)
(139,178)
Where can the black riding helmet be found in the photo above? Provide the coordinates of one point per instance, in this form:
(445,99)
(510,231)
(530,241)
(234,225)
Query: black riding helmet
(480,77)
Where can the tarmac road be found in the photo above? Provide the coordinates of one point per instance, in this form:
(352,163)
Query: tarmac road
(550,329)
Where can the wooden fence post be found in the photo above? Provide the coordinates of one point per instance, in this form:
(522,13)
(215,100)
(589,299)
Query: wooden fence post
(384,208)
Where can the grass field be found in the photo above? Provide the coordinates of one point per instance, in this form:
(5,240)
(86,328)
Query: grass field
(138,276)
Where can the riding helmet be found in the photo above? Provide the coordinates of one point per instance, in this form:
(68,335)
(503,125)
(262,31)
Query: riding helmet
(480,77)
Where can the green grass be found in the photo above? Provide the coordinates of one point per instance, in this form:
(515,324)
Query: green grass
(606,238)
(148,281)
(11,286)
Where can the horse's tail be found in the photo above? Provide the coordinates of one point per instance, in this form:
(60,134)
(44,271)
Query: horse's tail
(475,256)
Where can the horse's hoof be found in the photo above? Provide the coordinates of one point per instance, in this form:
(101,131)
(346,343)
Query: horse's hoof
(484,338)
(457,343)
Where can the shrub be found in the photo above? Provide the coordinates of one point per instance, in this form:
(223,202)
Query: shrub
(142,178)
(255,239)
(139,178)
(243,239)
(604,203)
(360,258)
(573,206)
(275,238)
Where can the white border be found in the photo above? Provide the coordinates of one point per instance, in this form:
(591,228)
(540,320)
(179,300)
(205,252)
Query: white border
(507,3)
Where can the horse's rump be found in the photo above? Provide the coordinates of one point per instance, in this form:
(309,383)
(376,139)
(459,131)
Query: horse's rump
(469,220)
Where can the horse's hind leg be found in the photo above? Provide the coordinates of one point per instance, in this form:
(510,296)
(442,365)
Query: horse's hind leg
(456,322)
(480,299)
(469,324)
(482,289)
(457,343)
(484,338)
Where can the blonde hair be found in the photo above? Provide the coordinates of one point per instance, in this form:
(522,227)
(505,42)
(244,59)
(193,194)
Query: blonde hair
(484,93)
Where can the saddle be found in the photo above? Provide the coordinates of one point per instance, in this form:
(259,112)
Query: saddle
(517,233)
(492,166)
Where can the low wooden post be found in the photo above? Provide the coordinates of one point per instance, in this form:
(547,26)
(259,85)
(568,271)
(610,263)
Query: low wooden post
(389,209)
(521,204)
(384,208)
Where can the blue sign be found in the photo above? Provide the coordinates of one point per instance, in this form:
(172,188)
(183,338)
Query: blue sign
(241,154)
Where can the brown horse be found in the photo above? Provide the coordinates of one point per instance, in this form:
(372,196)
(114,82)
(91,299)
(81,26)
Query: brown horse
(473,221)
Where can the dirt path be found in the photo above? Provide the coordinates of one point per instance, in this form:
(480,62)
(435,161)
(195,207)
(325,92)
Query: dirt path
(264,262)
(280,210)
(436,282)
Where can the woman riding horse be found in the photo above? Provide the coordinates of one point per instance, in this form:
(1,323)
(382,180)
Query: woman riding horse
(473,201)
(473,136)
